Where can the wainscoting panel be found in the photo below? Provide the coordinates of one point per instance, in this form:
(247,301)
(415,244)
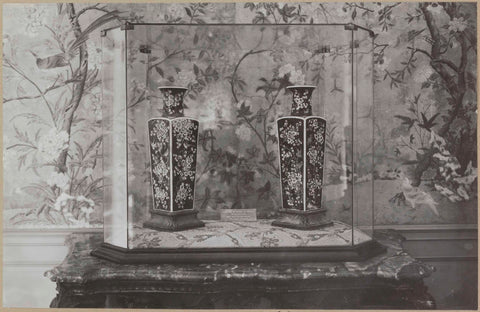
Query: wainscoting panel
(24,286)
(454,284)
(452,249)
(27,255)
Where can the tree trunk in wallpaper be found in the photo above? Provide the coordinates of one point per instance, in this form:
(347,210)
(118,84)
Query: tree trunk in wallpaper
(173,158)
(68,196)
(77,87)
(301,140)
(455,87)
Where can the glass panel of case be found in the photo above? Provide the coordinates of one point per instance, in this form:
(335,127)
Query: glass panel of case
(236,78)
(363,131)
(114,138)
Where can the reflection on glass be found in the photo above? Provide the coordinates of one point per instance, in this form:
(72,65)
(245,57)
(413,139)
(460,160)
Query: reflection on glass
(114,139)
(236,76)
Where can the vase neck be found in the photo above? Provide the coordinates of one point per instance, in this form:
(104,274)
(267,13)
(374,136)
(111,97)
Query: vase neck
(173,101)
(302,100)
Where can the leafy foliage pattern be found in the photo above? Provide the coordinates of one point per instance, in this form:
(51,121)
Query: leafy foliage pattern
(425,110)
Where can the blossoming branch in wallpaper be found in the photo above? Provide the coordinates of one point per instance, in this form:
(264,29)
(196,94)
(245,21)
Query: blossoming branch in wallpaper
(425,108)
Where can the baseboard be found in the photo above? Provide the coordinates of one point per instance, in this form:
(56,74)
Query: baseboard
(439,242)
(50,231)
(434,231)
(442,242)
(427,227)
(36,247)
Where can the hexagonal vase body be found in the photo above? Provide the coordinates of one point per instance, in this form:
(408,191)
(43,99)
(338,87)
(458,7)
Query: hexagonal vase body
(301,152)
(173,154)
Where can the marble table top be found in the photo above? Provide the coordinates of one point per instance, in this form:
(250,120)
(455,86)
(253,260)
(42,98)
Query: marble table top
(79,267)
(221,234)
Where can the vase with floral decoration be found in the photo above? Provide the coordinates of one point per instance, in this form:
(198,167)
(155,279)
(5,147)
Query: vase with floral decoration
(173,156)
(301,138)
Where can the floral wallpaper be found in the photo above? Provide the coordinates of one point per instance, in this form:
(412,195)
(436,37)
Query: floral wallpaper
(425,109)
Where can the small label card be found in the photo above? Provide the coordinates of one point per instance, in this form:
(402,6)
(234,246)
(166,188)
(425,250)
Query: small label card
(242,215)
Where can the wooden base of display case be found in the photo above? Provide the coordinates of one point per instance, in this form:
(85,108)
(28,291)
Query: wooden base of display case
(358,252)
(173,220)
(303,220)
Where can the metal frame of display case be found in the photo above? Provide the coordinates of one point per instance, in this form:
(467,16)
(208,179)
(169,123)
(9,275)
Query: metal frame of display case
(352,252)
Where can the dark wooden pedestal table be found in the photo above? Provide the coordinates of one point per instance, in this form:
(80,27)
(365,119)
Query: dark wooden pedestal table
(391,280)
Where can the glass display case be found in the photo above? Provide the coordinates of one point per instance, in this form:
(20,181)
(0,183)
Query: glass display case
(235,87)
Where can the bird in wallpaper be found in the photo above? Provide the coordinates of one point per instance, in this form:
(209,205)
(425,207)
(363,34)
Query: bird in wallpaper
(415,196)
(62,59)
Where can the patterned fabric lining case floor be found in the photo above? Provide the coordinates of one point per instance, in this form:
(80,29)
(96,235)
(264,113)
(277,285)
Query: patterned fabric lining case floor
(217,234)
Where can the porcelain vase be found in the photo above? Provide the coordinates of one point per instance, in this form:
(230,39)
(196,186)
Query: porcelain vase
(173,156)
(301,138)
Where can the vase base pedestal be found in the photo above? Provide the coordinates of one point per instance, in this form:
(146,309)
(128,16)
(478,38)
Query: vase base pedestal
(302,220)
(173,220)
